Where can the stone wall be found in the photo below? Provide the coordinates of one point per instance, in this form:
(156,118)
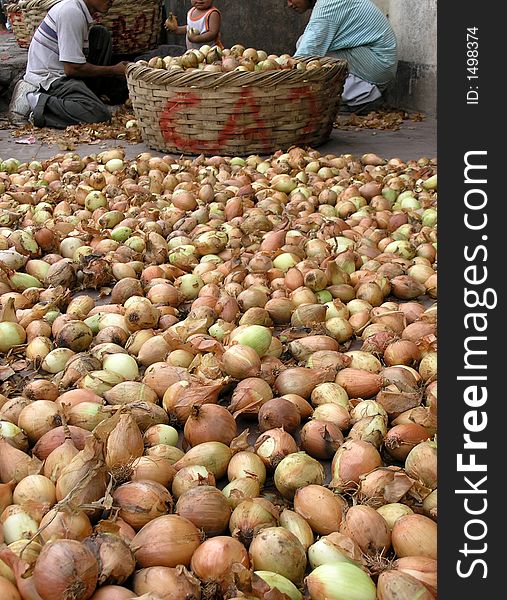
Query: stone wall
(271,25)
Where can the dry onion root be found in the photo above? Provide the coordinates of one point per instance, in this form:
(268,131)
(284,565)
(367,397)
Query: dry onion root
(187,344)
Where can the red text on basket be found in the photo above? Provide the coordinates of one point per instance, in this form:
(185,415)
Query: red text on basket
(247,104)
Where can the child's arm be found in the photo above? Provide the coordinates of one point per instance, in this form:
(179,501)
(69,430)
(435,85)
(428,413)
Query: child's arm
(171,25)
(211,34)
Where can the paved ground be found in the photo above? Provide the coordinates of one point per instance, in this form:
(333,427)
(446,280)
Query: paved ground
(414,140)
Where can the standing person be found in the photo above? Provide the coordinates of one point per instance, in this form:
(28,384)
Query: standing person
(358,31)
(69,66)
(203,25)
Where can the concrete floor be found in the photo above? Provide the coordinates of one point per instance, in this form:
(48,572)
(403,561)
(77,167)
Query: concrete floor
(414,140)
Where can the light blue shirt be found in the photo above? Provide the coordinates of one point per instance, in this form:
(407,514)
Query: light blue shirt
(356,30)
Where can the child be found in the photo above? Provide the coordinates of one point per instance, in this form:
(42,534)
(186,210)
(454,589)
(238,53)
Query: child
(203,25)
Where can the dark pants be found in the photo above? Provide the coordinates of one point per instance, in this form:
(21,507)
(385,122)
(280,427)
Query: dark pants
(70,101)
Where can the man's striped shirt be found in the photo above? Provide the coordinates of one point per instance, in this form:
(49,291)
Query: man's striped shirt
(356,30)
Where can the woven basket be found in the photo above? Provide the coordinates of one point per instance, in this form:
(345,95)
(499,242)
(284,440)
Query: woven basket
(135,26)
(25,16)
(236,113)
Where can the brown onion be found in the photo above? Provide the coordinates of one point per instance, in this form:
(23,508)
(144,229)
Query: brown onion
(320,507)
(212,562)
(278,550)
(400,439)
(279,413)
(422,568)
(368,529)
(250,516)
(142,501)
(321,439)
(65,569)
(206,507)
(210,423)
(167,541)
(112,592)
(397,584)
(273,445)
(115,559)
(167,582)
(353,459)
(65,524)
(415,535)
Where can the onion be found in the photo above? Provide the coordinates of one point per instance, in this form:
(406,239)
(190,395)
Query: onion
(241,488)
(321,439)
(241,362)
(246,464)
(422,568)
(353,459)
(191,476)
(250,516)
(296,471)
(153,468)
(368,529)
(398,584)
(279,413)
(334,547)
(142,501)
(112,592)
(65,568)
(415,535)
(167,541)
(167,582)
(115,559)
(297,525)
(278,550)
(273,446)
(280,583)
(8,591)
(210,423)
(212,562)
(215,456)
(248,396)
(393,511)
(340,581)
(61,524)
(206,507)
(320,507)
(35,488)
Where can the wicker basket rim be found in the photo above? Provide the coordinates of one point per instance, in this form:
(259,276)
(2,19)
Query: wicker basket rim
(333,68)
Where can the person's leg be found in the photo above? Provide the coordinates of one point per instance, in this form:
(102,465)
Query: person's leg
(69,102)
(101,53)
(357,89)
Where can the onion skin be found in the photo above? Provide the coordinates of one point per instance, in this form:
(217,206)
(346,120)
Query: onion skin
(65,568)
(422,568)
(396,584)
(266,551)
(353,459)
(112,592)
(206,507)
(415,535)
(167,541)
(213,560)
(368,529)
(320,507)
(167,582)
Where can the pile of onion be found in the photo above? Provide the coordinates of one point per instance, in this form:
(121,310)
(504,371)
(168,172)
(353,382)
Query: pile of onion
(219,374)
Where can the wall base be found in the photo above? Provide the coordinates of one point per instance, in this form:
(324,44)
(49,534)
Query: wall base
(415,88)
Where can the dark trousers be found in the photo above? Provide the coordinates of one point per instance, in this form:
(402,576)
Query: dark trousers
(70,101)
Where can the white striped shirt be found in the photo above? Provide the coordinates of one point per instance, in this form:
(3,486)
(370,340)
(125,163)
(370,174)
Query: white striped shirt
(356,30)
(61,37)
